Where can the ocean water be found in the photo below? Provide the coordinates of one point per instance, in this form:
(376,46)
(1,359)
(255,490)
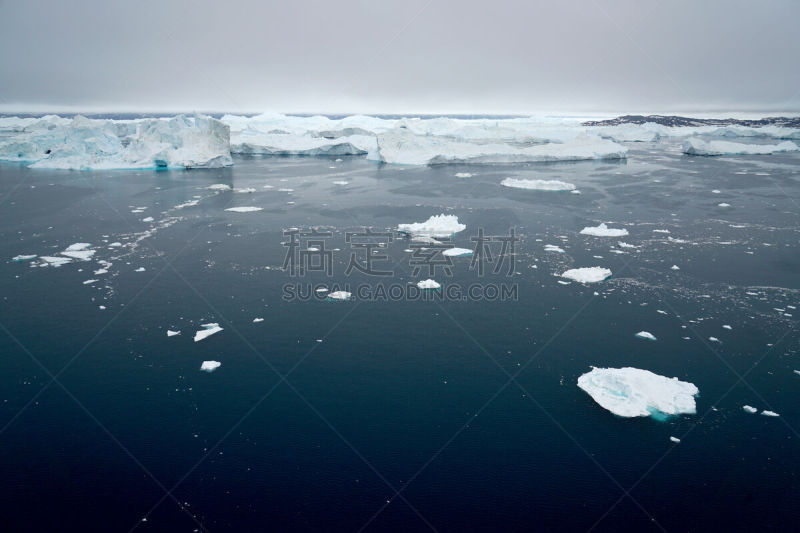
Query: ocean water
(466,407)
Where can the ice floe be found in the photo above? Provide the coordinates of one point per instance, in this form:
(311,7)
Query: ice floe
(676,440)
(171,333)
(603,231)
(695,146)
(646,335)
(244,209)
(208,330)
(340,295)
(457,252)
(749,409)
(538,185)
(630,392)
(22,258)
(463,174)
(428,284)
(210,366)
(553,248)
(587,274)
(769,413)
(257,320)
(437,226)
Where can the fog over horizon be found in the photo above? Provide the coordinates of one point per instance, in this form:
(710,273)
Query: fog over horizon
(412,57)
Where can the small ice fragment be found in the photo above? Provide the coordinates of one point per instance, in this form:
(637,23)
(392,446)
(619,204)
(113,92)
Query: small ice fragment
(101,307)
(245,209)
(553,248)
(100,271)
(457,252)
(210,366)
(207,331)
(340,295)
(148,219)
(646,335)
(625,245)
(796,372)
(716,191)
(257,320)
(726,326)
(603,231)
(587,274)
(321,290)
(245,190)
(90,281)
(140,269)
(723,204)
(428,284)
(676,440)
(538,185)
(171,333)
(749,409)
(219,187)
(713,339)
(21,258)
(675,267)
(340,182)
(769,413)
(435,226)
(463,175)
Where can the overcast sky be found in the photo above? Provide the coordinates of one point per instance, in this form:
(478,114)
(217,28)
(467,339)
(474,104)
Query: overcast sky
(409,56)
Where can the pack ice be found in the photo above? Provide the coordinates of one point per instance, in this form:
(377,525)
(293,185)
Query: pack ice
(81,143)
(630,392)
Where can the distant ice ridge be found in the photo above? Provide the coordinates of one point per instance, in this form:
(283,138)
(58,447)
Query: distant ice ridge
(695,146)
(401,146)
(437,226)
(630,392)
(81,143)
(539,185)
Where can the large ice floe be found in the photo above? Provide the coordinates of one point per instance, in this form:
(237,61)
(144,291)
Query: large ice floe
(81,143)
(630,392)
(604,231)
(538,185)
(587,274)
(437,226)
(695,146)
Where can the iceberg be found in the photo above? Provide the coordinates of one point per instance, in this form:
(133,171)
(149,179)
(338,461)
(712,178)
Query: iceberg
(630,392)
(749,409)
(171,333)
(587,274)
(676,440)
(603,231)
(257,320)
(428,284)
(22,258)
(437,226)
(207,331)
(695,146)
(244,209)
(538,185)
(258,143)
(402,146)
(457,252)
(210,366)
(769,413)
(82,143)
(646,335)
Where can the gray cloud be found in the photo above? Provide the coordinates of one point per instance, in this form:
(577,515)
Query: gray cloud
(412,56)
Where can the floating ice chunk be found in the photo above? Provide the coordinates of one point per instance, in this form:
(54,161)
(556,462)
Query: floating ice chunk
(219,187)
(257,320)
(101,307)
(190,203)
(21,258)
(83,255)
(171,333)
(749,409)
(90,281)
(630,392)
(646,335)
(148,219)
(695,146)
(625,245)
(723,204)
(587,274)
(463,175)
(457,252)
(716,191)
(140,269)
(341,182)
(539,185)
(78,246)
(603,231)
(796,372)
(340,295)
(207,331)
(321,290)
(100,271)
(769,413)
(726,326)
(436,226)
(428,284)
(210,366)
(713,339)
(674,267)
(553,248)
(54,261)
(676,440)
(244,209)
(245,190)
(284,189)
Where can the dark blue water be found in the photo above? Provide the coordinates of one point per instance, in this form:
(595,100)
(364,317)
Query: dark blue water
(469,409)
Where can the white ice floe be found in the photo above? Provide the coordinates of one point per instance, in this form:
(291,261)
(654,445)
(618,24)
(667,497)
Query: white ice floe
(83,143)
(674,267)
(207,331)
(630,392)
(437,226)
(210,366)
(587,274)
(463,174)
(796,372)
(219,187)
(553,248)
(713,339)
(140,269)
(457,252)
(428,284)
(21,258)
(676,440)
(646,335)
(257,320)
(244,209)
(723,204)
(171,333)
(340,295)
(749,409)
(769,413)
(245,190)
(54,261)
(625,245)
(538,185)
(695,146)
(90,281)
(603,231)
(726,326)
(341,182)
(148,219)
